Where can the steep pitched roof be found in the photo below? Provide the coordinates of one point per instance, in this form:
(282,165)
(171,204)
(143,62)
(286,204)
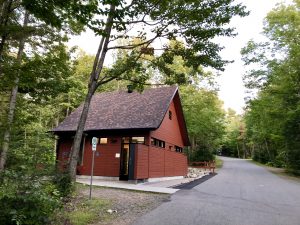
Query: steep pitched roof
(123,110)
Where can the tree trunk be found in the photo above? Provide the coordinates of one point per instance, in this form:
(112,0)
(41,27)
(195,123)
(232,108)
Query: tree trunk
(93,84)
(238,150)
(193,143)
(267,148)
(6,8)
(12,102)
(244,149)
(68,106)
(78,136)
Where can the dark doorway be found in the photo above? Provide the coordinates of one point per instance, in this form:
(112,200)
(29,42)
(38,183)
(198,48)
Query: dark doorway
(127,161)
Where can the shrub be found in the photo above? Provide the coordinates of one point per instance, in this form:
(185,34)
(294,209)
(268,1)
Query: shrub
(26,199)
(202,154)
(63,183)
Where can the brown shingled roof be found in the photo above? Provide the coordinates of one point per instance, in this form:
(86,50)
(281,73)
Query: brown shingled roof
(123,110)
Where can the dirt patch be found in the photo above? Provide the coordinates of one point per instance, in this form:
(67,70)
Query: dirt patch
(126,206)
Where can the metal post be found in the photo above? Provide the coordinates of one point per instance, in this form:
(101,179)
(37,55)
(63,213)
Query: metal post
(92,172)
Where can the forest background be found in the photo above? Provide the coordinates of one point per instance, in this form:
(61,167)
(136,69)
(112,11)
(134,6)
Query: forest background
(42,81)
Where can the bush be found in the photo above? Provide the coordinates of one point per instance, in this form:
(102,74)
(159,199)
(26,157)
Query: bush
(202,154)
(63,183)
(26,199)
(260,156)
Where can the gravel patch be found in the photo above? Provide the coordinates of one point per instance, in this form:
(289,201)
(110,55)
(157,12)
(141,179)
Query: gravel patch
(127,205)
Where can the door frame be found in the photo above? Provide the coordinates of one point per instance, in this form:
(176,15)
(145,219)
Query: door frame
(131,162)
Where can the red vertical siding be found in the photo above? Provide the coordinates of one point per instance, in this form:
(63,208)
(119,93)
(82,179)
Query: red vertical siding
(106,163)
(150,161)
(64,151)
(169,130)
(175,164)
(141,162)
(154,162)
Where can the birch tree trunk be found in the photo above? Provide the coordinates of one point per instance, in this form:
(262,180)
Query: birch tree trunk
(12,102)
(93,84)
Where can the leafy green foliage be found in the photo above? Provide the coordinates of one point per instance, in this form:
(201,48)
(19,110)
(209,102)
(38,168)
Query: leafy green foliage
(205,121)
(234,143)
(26,199)
(201,154)
(197,22)
(63,183)
(65,14)
(272,118)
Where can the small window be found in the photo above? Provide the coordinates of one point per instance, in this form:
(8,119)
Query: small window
(162,144)
(170,114)
(178,149)
(153,141)
(103,141)
(158,143)
(126,140)
(138,140)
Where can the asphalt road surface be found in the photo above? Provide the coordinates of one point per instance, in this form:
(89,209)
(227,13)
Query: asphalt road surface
(241,194)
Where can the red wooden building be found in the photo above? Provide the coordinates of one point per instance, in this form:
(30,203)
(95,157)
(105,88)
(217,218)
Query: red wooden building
(141,135)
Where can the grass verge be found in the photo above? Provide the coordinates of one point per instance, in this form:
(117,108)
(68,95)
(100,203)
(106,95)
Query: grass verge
(219,162)
(89,211)
(278,171)
(79,210)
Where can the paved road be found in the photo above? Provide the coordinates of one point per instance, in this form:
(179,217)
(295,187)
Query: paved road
(241,194)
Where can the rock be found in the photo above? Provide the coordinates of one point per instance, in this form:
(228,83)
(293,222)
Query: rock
(195,172)
(110,211)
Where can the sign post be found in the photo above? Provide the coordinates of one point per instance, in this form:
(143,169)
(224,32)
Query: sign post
(94,148)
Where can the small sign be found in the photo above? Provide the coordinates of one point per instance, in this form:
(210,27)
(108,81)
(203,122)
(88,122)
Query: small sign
(117,155)
(94,143)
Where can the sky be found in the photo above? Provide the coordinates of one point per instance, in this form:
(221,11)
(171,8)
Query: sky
(232,91)
(231,88)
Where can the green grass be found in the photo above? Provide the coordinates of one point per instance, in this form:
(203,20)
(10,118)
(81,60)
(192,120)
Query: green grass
(219,163)
(89,211)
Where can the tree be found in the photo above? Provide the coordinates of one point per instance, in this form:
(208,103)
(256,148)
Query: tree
(13,98)
(205,120)
(272,118)
(234,142)
(44,23)
(67,15)
(195,22)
